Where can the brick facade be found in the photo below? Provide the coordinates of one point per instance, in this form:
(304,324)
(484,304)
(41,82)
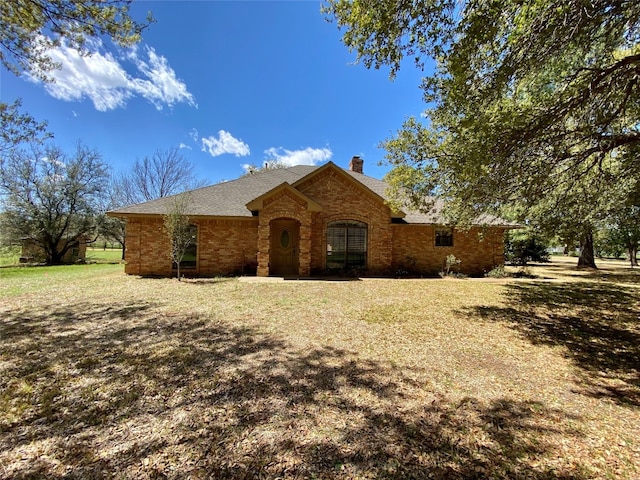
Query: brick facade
(415,251)
(284,205)
(343,199)
(225,246)
(242,245)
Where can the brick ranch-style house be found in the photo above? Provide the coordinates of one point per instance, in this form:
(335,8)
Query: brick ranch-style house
(303,221)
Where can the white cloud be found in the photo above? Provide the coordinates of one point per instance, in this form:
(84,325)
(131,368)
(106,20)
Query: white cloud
(194,135)
(101,78)
(307,156)
(225,143)
(184,145)
(162,86)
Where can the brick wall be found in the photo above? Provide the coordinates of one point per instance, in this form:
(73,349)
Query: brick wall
(341,199)
(224,246)
(284,205)
(234,246)
(227,246)
(478,249)
(147,247)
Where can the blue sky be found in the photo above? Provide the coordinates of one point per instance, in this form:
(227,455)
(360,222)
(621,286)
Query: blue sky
(230,84)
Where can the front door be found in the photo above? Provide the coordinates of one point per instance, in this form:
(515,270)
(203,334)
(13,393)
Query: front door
(283,256)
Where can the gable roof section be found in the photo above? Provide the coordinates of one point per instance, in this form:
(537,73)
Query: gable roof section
(230,199)
(258,203)
(371,186)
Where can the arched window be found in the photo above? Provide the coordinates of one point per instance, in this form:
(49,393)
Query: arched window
(444,237)
(346,245)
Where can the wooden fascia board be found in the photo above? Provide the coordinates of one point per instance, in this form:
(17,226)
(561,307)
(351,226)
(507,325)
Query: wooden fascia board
(258,202)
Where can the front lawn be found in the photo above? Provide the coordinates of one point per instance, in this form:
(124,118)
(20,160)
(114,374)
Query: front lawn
(103,374)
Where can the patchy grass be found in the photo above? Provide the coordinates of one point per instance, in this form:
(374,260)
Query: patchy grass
(102,374)
(9,255)
(103,255)
(24,280)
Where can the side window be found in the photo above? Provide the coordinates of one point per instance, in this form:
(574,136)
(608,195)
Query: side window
(444,237)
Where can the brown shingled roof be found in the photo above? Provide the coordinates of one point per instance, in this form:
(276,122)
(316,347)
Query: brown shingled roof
(229,199)
(226,199)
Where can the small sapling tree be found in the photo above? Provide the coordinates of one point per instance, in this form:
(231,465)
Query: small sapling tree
(179,229)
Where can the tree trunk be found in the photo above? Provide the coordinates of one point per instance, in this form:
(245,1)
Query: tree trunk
(55,258)
(122,244)
(587,258)
(632,250)
(51,254)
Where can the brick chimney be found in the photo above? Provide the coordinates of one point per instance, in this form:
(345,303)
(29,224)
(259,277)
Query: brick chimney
(356,164)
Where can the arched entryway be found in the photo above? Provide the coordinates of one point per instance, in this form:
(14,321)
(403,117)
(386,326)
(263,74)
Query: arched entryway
(284,249)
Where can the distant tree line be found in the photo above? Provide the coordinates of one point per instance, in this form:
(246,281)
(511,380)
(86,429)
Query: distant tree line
(611,239)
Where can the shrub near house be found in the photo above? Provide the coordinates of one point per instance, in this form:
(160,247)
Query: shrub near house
(307,220)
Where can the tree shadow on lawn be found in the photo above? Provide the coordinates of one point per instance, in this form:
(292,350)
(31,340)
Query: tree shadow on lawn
(605,272)
(596,322)
(91,391)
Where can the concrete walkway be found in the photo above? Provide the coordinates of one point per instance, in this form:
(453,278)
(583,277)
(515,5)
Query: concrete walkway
(297,279)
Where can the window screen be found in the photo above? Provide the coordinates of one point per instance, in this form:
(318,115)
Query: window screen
(444,237)
(346,245)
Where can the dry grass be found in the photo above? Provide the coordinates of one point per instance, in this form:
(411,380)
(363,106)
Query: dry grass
(114,376)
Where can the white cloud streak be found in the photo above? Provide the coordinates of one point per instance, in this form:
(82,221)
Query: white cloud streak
(101,78)
(307,156)
(225,143)
(161,86)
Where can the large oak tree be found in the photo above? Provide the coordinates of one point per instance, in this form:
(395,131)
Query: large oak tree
(50,198)
(529,100)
